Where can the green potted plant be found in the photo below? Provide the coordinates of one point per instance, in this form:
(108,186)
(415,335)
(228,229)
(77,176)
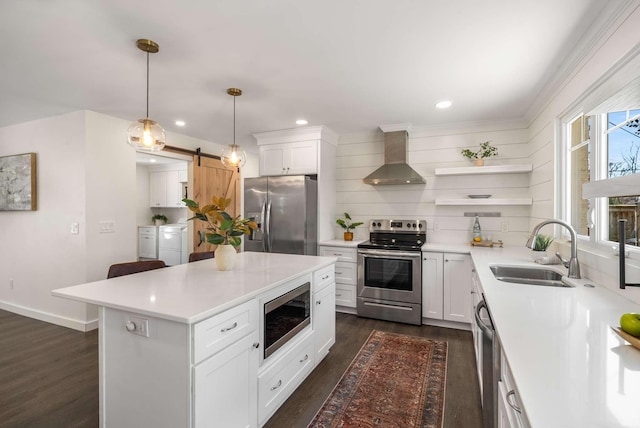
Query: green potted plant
(222,229)
(486,151)
(540,246)
(348,226)
(159,219)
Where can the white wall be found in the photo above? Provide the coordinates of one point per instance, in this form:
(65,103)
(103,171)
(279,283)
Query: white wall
(360,154)
(621,38)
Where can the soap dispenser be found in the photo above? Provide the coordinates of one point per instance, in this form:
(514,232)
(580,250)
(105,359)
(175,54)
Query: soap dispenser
(477,232)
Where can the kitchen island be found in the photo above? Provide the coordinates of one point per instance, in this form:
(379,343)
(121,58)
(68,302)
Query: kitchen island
(185,346)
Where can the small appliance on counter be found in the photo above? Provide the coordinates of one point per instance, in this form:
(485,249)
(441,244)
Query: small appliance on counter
(390,271)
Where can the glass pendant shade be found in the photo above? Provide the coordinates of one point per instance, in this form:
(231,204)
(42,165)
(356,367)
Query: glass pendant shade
(146,134)
(233,156)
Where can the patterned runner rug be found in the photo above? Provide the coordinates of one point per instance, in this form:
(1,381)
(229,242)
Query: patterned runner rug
(395,381)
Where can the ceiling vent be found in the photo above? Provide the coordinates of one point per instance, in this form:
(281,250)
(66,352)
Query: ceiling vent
(395,169)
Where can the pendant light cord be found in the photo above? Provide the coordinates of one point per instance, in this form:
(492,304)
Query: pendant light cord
(234,120)
(147,84)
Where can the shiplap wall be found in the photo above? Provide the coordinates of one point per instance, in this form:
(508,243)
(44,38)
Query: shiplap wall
(360,154)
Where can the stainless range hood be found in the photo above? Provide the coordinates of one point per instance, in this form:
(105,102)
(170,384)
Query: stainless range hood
(395,169)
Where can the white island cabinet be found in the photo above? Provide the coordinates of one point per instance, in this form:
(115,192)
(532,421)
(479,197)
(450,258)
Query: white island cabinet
(184,346)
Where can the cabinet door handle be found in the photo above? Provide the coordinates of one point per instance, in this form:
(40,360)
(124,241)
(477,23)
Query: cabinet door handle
(306,357)
(256,345)
(273,388)
(510,394)
(224,330)
(318,302)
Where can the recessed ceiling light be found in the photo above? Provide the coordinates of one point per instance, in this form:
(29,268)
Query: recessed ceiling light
(302,122)
(180,123)
(444,104)
(152,160)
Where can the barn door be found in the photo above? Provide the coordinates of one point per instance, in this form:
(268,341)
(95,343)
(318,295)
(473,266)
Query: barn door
(212,178)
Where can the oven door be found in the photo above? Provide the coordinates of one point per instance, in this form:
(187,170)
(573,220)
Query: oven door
(390,275)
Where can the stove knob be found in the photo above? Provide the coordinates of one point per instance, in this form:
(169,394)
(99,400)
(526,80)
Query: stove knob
(420,225)
(379,224)
(414,225)
(408,224)
(373,224)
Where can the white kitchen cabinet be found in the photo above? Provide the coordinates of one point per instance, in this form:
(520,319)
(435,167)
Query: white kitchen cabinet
(225,386)
(166,189)
(345,274)
(147,242)
(289,158)
(324,320)
(510,412)
(457,287)
(446,286)
(476,297)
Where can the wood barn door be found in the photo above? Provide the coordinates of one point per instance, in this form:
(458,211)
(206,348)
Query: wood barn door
(212,178)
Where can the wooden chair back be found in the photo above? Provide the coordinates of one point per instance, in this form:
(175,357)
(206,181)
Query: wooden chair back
(121,269)
(194,257)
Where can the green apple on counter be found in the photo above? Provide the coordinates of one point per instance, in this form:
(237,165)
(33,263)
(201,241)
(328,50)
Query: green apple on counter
(630,323)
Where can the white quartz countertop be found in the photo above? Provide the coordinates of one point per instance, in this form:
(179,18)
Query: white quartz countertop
(569,368)
(192,292)
(340,243)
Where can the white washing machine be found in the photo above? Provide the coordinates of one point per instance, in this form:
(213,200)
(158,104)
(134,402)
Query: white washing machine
(172,247)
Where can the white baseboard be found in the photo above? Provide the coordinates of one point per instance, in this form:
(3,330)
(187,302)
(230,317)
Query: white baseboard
(447,324)
(50,318)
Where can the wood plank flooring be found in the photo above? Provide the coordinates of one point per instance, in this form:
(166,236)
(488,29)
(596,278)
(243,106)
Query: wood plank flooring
(49,374)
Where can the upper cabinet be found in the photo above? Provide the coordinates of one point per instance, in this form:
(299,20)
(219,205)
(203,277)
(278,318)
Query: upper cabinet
(289,158)
(166,188)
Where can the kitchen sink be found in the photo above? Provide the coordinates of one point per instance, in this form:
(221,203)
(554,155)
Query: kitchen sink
(528,275)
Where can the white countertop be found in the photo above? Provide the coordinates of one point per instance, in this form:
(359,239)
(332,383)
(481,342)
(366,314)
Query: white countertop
(340,243)
(191,292)
(570,369)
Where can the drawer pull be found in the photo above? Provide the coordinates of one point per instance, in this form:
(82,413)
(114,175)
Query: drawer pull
(512,393)
(318,302)
(325,277)
(306,357)
(224,330)
(338,295)
(338,273)
(337,254)
(273,388)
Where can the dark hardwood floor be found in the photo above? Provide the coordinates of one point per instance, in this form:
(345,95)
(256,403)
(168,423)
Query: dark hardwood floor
(49,374)
(462,407)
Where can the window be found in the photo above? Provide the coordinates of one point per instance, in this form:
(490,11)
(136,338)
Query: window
(598,148)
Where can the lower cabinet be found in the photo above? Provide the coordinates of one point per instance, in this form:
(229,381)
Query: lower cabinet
(324,320)
(510,412)
(446,282)
(346,273)
(225,388)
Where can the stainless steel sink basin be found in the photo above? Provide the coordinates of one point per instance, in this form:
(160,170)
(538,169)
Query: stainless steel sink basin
(528,275)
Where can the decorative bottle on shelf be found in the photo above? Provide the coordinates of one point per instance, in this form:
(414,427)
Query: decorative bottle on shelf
(477,232)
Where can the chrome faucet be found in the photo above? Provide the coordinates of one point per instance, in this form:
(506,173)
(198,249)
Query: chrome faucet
(574,266)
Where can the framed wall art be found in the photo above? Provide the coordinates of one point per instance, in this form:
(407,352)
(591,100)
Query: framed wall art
(18,182)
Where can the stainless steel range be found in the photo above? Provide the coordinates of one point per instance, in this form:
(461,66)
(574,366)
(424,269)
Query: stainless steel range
(390,271)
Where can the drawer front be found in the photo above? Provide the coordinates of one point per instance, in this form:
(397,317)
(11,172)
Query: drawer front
(346,295)
(147,231)
(343,254)
(216,333)
(279,381)
(346,273)
(323,277)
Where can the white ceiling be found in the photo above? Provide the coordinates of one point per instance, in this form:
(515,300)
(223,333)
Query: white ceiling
(351,65)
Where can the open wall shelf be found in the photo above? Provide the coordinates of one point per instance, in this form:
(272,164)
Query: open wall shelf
(488,201)
(476,170)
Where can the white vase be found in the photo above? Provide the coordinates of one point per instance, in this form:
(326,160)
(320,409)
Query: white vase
(225,257)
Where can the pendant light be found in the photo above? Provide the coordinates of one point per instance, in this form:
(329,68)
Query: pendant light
(146,134)
(233,155)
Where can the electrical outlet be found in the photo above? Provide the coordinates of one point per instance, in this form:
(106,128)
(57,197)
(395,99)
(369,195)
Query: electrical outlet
(504,226)
(10,283)
(75,228)
(137,325)
(107,226)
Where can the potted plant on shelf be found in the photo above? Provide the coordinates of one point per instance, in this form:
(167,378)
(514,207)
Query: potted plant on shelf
(486,151)
(540,246)
(222,229)
(159,219)
(348,226)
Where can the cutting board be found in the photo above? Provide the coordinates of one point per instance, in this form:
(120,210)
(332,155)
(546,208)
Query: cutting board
(635,341)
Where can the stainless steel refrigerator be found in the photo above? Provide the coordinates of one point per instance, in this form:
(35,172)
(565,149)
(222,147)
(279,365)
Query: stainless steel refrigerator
(285,209)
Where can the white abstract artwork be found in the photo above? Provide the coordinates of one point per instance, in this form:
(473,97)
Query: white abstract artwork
(18,182)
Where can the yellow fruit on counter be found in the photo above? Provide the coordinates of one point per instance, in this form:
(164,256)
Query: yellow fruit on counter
(477,239)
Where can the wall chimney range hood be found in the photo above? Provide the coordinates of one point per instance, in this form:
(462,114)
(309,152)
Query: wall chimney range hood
(395,169)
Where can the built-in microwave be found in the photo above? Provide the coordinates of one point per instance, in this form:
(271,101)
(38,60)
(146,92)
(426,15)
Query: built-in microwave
(285,316)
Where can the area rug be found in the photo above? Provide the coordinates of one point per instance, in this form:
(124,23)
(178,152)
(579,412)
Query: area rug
(395,380)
